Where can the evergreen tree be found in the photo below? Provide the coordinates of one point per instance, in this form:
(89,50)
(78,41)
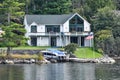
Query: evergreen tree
(14,31)
(89,8)
(104,19)
(12,8)
(13,36)
(107,22)
(49,6)
(118,4)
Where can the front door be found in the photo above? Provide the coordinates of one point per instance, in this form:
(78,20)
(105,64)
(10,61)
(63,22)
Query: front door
(34,41)
(82,41)
(53,41)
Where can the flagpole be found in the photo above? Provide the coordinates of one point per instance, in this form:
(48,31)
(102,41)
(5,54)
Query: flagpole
(90,37)
(90,42)
(93,46)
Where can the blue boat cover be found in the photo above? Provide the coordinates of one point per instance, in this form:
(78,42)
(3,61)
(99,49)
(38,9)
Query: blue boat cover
(56,51)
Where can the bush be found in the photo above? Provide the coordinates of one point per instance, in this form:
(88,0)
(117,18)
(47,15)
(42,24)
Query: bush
(40,57)
(71,48)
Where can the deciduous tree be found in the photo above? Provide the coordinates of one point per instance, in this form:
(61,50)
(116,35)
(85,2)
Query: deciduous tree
(101,38)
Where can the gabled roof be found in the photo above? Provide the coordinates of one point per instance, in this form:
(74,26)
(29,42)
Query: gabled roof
(50,19)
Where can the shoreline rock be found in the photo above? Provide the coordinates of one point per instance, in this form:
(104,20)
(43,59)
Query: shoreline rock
(104,59)
(98,60)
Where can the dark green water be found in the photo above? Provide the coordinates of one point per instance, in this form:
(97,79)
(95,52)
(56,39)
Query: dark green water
(60,71)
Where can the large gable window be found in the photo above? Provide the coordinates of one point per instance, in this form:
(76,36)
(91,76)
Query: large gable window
(76,24)
(76,20)
(33,28)
(52,28)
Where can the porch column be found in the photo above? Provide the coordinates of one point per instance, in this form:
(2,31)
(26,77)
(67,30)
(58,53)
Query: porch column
(49,40)
(69,40)
(38,41)
(80,41)
(65,40)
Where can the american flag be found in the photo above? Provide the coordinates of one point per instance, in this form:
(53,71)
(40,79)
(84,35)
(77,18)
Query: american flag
(90,36)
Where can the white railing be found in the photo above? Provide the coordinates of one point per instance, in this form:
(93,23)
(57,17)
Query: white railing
(57,34)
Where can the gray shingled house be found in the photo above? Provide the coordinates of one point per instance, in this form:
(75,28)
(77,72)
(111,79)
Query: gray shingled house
(57,30)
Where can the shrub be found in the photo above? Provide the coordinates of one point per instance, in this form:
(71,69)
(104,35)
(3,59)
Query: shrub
(71,48)
(40,57)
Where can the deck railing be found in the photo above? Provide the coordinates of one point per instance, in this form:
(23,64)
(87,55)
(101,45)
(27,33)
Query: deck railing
(57,34)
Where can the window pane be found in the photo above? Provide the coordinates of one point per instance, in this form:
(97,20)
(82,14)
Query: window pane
(52,28)
(49,29)
(79,21)
(72,21)
(79,29)
(72,29)
(34,29)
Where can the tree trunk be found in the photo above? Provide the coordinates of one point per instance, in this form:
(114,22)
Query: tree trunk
(8,50)
(8,18)
(8,56)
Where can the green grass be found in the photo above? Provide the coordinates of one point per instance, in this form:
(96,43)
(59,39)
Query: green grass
(20,56)
(30,47)
(2,55)
(27,47)
(80,52)
(87,53)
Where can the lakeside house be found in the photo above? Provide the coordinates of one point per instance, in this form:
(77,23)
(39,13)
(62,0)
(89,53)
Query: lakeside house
(57,30)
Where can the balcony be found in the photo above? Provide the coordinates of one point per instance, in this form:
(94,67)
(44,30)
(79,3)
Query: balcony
(76,34)
(58,34)
(43,34)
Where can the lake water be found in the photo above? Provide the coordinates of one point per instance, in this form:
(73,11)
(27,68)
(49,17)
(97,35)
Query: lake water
(60,71)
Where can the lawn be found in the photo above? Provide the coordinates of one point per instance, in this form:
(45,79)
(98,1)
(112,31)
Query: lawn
(34,48)
(87,53)
(30,47)
(27,47)
(20,56)
(80,52)
(24,56)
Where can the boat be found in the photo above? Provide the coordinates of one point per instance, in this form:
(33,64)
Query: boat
(54,54)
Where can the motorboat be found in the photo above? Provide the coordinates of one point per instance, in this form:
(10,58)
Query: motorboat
(54,54)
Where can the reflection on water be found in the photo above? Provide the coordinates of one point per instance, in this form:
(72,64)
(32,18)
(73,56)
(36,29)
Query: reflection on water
(60,71)
(10,72)
(108,72)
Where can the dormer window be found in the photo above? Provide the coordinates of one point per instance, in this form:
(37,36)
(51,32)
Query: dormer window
(33,28)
